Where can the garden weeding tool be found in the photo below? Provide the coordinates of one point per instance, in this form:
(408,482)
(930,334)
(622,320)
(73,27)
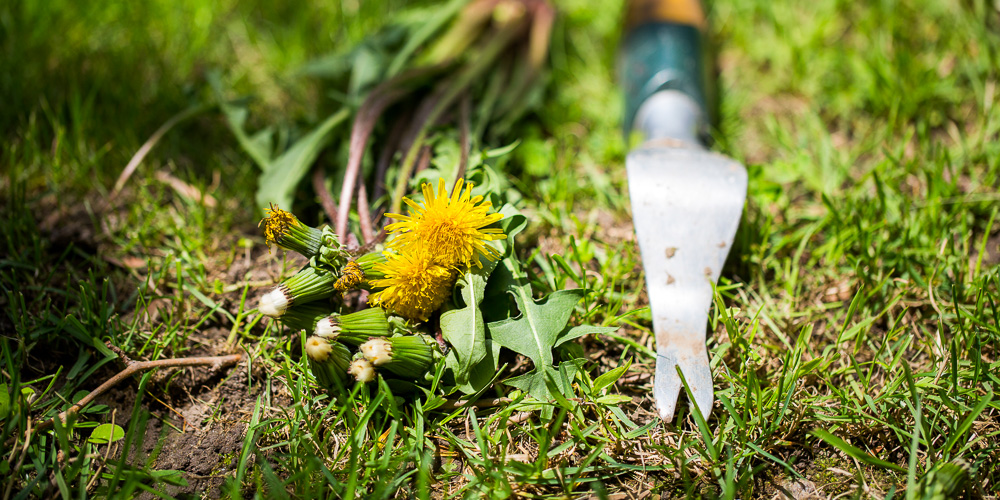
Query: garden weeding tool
(686,200)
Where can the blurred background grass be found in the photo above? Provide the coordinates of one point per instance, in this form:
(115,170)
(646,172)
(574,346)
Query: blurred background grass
(869,130)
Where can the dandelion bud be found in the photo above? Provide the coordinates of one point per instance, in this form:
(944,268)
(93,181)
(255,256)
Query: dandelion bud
(318,349)
(409,357)
(362,370)
(309,284)
(285,230)
(378,351)
(328,361)
(367,262)
(354,328)
(305,316)
(275,302)
(328,327)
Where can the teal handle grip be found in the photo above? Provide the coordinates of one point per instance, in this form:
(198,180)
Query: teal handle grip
(663,56)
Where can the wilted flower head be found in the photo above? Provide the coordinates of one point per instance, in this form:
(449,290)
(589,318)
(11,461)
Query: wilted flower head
(350,277)
(451,228)
(285,230)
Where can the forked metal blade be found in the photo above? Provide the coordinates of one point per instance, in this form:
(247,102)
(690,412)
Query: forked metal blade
(686,206)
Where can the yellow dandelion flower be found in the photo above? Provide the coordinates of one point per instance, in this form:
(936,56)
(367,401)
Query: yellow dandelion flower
(413,285)
(452,228)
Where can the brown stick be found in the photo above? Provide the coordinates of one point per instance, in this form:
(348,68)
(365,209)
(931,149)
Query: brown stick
(373,107)
(365,215)
(132,369)
(319,185)
(380,98)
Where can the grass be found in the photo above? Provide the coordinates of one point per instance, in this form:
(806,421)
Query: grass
(855,334)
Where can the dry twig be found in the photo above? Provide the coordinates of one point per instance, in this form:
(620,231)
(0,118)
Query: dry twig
(133,367)
(148,146)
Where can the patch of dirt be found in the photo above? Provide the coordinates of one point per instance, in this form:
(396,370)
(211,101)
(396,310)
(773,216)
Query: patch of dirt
(990,255)
(797,489)
(198,419)
(213,423)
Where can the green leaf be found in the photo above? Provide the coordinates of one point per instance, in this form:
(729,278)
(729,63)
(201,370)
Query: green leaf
(502,150)
(512,224)
(78,395)
(483,372)
(4,402)
(606,379)
(579,331)
(277,183)
(172,477)
(259,146)
(853,451)
(537,382)
(107,433)
(464,327)
(534,332)
(190,288)
(280,175)
(613,399)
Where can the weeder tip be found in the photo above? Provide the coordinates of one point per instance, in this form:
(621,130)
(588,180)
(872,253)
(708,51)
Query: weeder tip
(666,387)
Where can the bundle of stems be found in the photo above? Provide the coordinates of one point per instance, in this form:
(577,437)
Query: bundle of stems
(491,56)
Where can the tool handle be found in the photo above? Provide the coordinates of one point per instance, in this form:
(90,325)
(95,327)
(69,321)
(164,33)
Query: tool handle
(663,70)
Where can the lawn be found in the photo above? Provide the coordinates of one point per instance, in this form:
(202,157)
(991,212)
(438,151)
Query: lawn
(855,336)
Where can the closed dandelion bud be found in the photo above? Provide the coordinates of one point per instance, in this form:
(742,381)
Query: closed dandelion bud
(410,357)
(354,328)
(329,362)
(362,370)
(305,316)
(307,285)
(285,230)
